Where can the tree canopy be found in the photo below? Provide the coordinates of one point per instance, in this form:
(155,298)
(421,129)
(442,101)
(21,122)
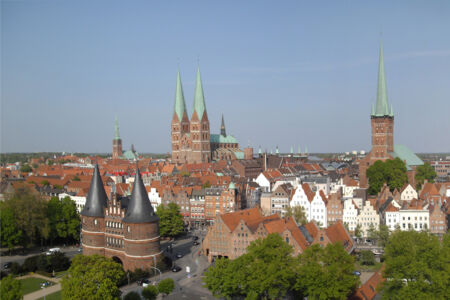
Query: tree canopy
(417,266)
(26,169)
(11,235)
(392,172)
(166,286)
(10,288)
(425,171)
(64,219)
(325,273)
(265,271)
(298,213)
(150,292)
(92,277)
(170,220)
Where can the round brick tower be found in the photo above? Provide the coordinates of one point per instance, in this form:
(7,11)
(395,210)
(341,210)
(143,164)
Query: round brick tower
(93,217)
(141,230)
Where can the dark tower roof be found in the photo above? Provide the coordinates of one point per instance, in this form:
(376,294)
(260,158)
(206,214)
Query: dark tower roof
(222,128)
(139,209)
(96,199)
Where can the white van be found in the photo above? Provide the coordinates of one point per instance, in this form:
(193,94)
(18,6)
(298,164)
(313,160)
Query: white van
(53,251)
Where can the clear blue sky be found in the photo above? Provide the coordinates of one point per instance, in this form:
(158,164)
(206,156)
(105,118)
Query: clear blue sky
(282,72)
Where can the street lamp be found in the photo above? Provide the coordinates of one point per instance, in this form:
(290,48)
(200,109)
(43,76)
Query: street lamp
(158,271)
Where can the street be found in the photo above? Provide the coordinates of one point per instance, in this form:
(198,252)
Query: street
(185,287)
(70,251)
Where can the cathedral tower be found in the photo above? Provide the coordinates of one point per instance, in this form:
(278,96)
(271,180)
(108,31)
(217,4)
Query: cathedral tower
(180,125)
(117,142)
(199,129)
(93,217)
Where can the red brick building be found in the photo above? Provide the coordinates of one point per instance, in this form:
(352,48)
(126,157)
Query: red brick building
(127,231)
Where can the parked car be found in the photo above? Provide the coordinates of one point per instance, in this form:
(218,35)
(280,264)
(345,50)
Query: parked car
(196,243)
(45,284)
(53,251)
(176,269)
(145,282)
(7,265)
(179,255)
(195,237)
(356,273)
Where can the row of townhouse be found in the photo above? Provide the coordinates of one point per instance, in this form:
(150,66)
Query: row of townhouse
(231,233)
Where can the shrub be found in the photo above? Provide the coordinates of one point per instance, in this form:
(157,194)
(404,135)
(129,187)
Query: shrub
(30,264)
(166,286)
(150,292)
(58,262)
(366,257)
(16,269)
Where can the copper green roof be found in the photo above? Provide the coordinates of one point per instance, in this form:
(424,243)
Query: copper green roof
(382,106)
(116,129)
(239,154)
(405,154)
(218,138)
(130,155)
(180,105)
(231,186)
(199,98)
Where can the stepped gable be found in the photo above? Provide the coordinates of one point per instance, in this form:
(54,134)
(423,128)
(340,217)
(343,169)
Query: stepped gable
(139,209)
(96,200)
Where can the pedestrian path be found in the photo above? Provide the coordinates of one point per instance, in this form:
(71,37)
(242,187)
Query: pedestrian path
(42,292)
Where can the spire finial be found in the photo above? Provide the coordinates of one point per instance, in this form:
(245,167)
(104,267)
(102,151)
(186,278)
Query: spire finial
(222,128)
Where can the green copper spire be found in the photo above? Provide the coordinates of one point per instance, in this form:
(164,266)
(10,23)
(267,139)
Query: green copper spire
(276,150)
(292,150)
(382,107)
(180,105)
(199,99)
(259,151)
(116,129)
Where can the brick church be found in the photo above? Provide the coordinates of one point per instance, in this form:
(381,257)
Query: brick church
(191,139)
(382,123)
(126,230)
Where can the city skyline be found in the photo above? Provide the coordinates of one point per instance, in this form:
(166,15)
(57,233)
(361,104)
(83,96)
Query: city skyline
(309,78)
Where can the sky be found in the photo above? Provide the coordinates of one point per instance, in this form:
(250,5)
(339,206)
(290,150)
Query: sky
(286,73)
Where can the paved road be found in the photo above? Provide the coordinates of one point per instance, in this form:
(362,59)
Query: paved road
(185,287)
(69,251)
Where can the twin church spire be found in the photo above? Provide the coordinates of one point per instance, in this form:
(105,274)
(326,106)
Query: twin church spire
(199,98)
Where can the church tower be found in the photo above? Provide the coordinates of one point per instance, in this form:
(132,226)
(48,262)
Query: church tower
(382,123)
(382,118)
(93,217)
(180,125)
(199,129)
(222,128)
(117,142)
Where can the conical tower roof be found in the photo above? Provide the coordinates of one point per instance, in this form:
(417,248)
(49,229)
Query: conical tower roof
(222,128)
(382,106)
(180,104)
(139,208)
(199,98)
(96,199)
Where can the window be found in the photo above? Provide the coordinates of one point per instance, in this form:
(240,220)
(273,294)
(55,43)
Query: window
(95,222)
(128,229)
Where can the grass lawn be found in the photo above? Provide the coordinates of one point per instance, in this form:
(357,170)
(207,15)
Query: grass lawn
(371,268)
(54,296)
(31,284)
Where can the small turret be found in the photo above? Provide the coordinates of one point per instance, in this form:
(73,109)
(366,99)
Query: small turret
(222,128)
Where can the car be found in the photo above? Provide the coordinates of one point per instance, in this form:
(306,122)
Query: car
(45,284)
(145,282)
(195,237)
(53,251)
(7,265)
(196,243)
(356,273)
(179,255)
(176,269)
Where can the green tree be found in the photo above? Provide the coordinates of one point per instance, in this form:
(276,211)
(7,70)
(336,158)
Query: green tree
(366,257)
(50,162)
(265,271)
(425,171)
(45,182)
(298,213)
(372,232)
(64,219)
(206,185)
(10,234)
(382,235)
(170,220)
(35,166)
(10,288)
(417,266)
(325,273)
(30,214)
(76,178)
(150,292)
(26,169)
(134,296)
(392,172)
(358,231)
(166,286)
(92,277)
